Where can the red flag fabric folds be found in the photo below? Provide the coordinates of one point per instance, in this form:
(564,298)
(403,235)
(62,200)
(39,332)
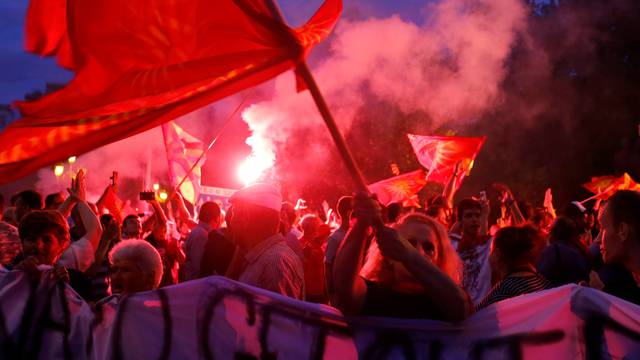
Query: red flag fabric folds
(440,154)
(599,184)
(183,150)
(140,63)
(399,188)
(605,186)
(46,30)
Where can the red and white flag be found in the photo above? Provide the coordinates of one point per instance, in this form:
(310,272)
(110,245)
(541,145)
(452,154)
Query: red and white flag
(605,186)
(400,188)
(183,151)
(440,154)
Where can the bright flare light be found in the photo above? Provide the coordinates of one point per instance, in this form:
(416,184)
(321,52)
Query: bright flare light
(156,187)
(262,158)
(163,195)
(72,160)
(250,170)
(58,170)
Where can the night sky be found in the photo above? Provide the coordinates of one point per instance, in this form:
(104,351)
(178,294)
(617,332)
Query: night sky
(21,72)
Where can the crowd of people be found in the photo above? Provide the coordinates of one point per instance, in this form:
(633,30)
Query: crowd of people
(440,262)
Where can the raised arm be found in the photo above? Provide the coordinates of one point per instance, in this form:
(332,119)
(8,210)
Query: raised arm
(518,218)
(158,219)
(449,189)
(548,203)
(444,293)
(89,218)
(511,204)
(350,288)
(161,218)
(180,210)
(67,204)
(484,215)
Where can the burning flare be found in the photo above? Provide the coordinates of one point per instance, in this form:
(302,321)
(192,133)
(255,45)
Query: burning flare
(261,159)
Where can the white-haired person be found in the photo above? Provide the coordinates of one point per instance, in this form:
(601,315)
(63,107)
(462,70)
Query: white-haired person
(135,266)
(410,270)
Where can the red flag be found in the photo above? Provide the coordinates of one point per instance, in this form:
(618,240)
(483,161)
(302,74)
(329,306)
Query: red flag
(399,188)
(140,63)
(599,184)
(183,150)
(605,186)
(110,201)
(440,154)
(46,30)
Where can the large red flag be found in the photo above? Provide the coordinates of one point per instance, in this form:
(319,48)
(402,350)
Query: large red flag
(440,154)
(46,30)
(399,188)
(605,186)
(140,63)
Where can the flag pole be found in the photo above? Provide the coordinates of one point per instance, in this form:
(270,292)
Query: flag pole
(166,148)
(211,143)
(591,198)
(338,139)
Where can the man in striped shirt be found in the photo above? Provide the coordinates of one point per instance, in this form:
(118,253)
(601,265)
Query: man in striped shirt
(512,257)
(262,257)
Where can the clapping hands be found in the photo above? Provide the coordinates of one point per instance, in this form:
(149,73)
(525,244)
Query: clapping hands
(78,189)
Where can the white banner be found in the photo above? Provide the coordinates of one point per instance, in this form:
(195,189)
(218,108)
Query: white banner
(216,318)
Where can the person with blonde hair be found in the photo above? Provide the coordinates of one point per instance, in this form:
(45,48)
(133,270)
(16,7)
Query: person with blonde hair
(410,270)
(135,266)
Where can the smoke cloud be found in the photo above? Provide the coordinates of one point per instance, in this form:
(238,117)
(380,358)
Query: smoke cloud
(137,159)
(129,157)
(449,67)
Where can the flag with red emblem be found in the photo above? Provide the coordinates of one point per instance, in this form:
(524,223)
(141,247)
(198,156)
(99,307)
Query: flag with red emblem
(400,189)
(440,154)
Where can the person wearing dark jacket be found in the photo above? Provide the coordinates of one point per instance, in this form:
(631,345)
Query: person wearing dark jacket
(566,259)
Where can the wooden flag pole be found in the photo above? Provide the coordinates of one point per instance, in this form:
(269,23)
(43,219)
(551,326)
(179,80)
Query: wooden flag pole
(343,149)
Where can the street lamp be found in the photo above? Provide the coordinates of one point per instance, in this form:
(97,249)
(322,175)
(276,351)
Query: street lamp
(72,159)
(58,170)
